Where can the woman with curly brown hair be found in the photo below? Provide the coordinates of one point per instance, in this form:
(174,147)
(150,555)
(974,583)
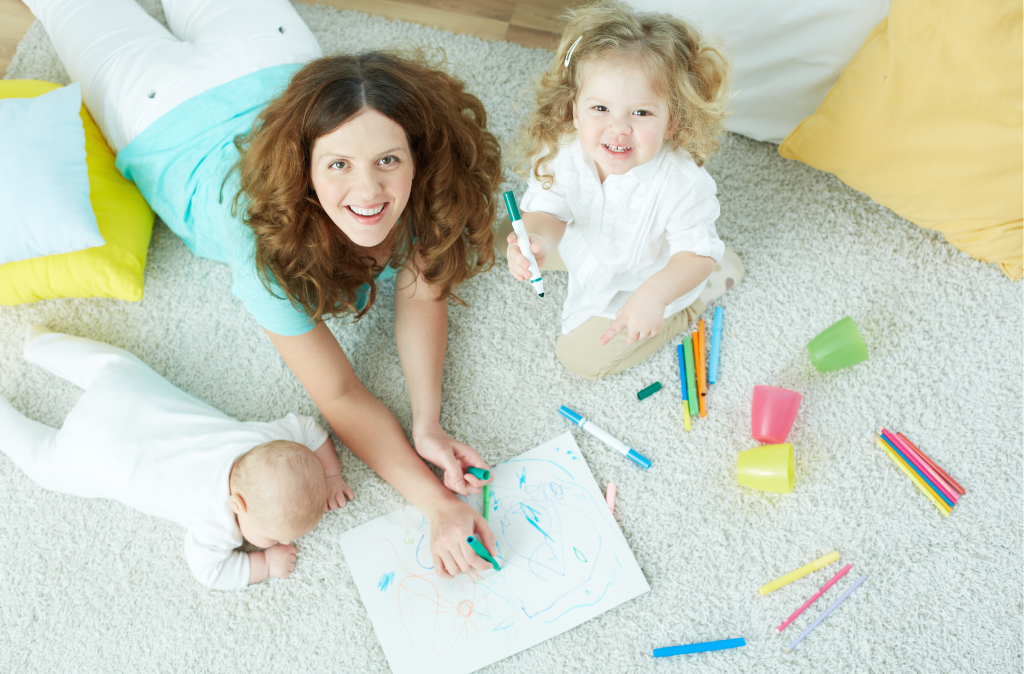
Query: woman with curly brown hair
(314,182)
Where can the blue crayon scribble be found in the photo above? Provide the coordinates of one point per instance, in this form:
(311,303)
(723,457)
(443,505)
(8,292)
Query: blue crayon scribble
(522,478)
(385,581)
(579,555)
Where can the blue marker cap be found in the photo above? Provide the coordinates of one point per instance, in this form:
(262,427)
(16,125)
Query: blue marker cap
(639,459)
(573,417)
(510,204)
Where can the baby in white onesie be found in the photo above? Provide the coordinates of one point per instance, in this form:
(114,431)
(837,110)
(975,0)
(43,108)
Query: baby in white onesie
(627,114)
(136,438)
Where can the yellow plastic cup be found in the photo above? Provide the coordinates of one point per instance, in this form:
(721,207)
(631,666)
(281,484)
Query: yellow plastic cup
(768,468)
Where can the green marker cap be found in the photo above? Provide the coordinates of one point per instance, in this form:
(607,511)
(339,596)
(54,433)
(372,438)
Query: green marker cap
(649,391)
(479,473)
(510,204)
(480,550)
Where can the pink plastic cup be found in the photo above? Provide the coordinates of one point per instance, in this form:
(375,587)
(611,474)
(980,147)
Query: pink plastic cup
(772,413)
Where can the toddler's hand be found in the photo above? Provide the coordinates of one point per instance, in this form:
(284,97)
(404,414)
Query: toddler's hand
(517,264)
(280,560)
(337,493)
(641,316)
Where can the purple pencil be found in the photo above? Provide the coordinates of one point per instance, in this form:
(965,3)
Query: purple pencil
(842,572)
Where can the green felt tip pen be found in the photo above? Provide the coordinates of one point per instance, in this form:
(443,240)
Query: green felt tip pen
(523,239)
(480,550)
(487,498)
(691,377)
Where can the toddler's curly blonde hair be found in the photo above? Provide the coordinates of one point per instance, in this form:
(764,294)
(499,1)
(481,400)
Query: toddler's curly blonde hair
(681,64)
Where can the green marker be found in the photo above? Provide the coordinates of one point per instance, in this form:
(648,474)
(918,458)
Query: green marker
(691,377)
(479,473)
(487,497)
(480,550)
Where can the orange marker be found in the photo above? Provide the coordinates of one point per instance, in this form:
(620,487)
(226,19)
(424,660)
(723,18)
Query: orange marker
(698,356)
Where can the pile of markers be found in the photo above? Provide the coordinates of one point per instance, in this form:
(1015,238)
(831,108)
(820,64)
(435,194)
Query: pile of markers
(697,368)
(934,482)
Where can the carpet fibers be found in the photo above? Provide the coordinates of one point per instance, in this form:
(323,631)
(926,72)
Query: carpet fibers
(90,585)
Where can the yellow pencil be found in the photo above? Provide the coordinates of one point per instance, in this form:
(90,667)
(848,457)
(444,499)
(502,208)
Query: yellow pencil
(913,477)
(799,573)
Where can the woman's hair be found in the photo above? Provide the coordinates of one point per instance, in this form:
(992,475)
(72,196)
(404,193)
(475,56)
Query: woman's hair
(283,485)
(446,225)
(691,74)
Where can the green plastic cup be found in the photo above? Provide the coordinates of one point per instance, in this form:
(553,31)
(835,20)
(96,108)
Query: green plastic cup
(837,346)
(768,468)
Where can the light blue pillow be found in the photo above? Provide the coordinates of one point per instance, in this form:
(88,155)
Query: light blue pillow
(44,183)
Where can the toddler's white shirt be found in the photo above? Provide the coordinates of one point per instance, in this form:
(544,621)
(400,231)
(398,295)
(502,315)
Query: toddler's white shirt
(619,233)
(172,460)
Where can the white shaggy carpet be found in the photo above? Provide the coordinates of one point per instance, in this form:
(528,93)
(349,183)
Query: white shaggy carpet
(91,586)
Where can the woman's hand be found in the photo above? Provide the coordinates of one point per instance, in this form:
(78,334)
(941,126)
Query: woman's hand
(450,524)
(517,264)
(641,316)
(452,456)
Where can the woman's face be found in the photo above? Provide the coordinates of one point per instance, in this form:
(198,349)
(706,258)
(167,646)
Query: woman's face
(362,174)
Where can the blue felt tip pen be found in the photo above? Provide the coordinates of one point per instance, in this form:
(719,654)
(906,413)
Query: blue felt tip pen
(605,437)
(524,242)
(716,344)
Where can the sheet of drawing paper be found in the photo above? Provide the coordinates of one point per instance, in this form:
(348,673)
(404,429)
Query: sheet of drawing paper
(563,560)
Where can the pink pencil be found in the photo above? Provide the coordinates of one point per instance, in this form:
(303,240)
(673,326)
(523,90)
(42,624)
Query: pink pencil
(938,469)
(943,486)
(842,572)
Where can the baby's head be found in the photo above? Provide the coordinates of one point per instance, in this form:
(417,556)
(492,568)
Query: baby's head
(629,82)
(278,492)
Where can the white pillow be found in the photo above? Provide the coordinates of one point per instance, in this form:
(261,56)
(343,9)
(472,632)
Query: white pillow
(787,54)
(44,183)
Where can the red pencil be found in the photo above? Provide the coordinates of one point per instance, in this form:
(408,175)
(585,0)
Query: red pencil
(935,466)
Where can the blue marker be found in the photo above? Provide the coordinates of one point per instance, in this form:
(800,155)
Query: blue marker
(605,437)
(716,345)
(524,242)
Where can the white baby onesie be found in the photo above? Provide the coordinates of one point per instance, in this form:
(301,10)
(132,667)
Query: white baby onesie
(135,437)
(620,233)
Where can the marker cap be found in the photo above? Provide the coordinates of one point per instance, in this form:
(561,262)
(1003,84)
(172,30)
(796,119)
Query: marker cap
(510,204)
(570,415)
(639,459)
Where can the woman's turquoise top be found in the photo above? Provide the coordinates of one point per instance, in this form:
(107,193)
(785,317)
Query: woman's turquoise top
(179,163)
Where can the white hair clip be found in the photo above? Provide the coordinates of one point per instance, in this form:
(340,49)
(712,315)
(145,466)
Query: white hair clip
(568,54)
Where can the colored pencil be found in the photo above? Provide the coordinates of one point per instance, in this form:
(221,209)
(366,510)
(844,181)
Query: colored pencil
(830,583)
(682,384)
(938,469)
(918,479)
(913,477)
(829,610)
(925,475)
(702,371)
(698,361)
(946,487)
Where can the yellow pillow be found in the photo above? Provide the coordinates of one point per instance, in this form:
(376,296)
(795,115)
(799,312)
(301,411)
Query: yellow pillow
(124,218)
(927,120)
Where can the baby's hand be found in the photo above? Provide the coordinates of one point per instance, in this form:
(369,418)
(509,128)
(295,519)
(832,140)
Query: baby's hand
(280,560)
(517,264)
(337,493)
(641,316)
